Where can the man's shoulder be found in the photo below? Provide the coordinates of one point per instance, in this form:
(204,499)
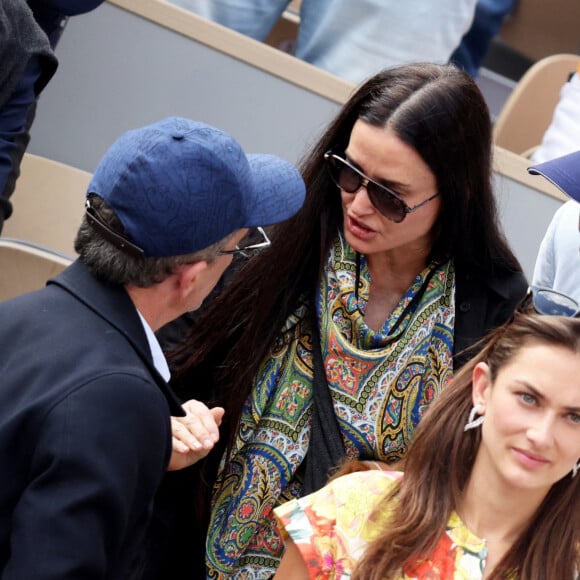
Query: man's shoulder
(57,337)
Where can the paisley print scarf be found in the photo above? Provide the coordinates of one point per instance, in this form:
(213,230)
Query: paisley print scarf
(380,382)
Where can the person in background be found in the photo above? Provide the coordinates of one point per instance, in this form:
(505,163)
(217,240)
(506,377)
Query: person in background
(558,261)
(490,488)
(29,32)
(27,63)
(353,39)
(563,134)
(53,15)
(557,158)
(336,341)
(85,407)
(489,16)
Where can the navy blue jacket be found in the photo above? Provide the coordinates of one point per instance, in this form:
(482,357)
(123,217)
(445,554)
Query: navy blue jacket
(84,431)
(52,15)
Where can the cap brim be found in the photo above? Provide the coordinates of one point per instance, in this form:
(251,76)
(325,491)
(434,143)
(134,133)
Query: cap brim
(279,191)
(563,172)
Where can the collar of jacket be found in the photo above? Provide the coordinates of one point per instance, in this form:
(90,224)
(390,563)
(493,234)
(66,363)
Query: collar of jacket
(113,304)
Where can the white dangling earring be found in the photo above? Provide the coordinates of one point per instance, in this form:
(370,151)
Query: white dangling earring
(576,469)
(472,422)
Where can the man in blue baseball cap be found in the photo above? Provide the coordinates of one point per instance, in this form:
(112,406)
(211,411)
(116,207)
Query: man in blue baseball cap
(558,261)
(85,407)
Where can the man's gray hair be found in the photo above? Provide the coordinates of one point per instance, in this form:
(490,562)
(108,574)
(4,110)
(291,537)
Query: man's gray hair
(111,264)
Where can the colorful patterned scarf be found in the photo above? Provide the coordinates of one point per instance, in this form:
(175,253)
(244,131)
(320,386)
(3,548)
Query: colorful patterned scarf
(381,383)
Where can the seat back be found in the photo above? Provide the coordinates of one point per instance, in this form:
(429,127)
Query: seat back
(528,110)
(26,267)
(48,203)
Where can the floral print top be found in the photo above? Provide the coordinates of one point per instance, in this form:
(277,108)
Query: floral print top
(333,526)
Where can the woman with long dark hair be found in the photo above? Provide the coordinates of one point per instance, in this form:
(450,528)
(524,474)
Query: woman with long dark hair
(334,341)
(490,488)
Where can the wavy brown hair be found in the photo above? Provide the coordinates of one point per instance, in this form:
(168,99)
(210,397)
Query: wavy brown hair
(439,463)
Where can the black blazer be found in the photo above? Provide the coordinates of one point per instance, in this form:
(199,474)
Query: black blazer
(483,303)
(84,431)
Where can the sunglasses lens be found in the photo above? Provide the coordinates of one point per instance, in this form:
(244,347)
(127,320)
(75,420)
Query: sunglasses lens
(347,179)
(391,207)
(252,238)
(549,302)
(350,181)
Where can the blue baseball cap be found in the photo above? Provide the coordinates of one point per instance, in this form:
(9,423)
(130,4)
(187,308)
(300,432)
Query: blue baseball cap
(563,172)
(179,186)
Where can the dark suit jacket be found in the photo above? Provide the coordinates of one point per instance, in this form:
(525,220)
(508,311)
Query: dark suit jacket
(84,431)
(482,303)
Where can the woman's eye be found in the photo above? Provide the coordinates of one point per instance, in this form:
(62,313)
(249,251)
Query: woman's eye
(575,418)
(527,398)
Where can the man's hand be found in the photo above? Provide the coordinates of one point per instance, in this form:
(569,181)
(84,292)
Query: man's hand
(195,434)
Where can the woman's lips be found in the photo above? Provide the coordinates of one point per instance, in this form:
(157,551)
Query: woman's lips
(358,229)
(529,459)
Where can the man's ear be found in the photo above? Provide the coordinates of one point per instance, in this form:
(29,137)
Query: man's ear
(187,276)
(481,383)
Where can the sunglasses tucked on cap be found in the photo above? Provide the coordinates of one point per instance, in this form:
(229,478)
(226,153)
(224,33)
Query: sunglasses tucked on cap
(178,186)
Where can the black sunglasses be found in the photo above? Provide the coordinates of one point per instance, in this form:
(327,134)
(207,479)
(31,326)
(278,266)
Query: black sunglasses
(552,302)
(251,244)
(350,179)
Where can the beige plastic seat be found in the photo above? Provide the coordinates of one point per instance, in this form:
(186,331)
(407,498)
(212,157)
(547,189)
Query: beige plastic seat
(48,203)
(25,267)
(528,111)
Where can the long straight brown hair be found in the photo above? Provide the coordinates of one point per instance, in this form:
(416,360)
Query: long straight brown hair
(439,463)
(440,112)
(436,109)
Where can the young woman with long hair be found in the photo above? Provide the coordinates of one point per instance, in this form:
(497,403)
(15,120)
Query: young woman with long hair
(489,488)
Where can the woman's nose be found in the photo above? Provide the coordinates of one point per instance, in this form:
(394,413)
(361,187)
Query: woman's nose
(360,198)
(541,433)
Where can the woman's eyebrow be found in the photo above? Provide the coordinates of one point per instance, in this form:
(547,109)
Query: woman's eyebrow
(396,185)
(542,397)
(533,390)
